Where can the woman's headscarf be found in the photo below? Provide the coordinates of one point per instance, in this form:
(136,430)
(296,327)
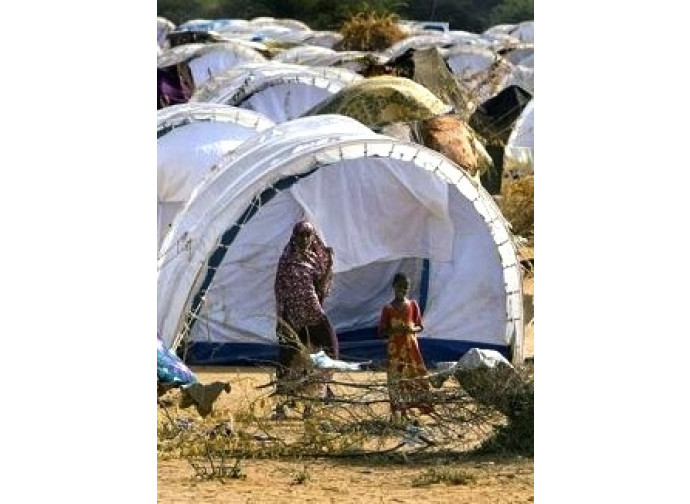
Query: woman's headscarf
(303,227)
(302,279)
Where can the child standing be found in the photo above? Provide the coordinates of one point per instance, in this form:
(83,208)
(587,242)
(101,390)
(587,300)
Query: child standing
(400,322)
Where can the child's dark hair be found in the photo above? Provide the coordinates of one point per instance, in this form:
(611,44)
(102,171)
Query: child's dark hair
(400,277)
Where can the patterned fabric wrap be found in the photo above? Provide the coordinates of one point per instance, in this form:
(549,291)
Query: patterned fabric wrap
(303,280)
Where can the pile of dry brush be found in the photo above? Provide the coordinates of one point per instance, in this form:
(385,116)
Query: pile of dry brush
(477,412)
(517,205)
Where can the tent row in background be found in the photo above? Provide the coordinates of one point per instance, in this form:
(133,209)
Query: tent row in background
(483,64)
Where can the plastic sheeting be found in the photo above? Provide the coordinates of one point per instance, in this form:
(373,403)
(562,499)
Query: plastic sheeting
(323,361)
(171,370)
(475,358)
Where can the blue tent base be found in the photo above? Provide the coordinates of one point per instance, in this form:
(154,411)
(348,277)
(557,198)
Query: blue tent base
(356,346)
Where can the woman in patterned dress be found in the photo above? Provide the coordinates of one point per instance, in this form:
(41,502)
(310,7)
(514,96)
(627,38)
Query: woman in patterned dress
(303,280)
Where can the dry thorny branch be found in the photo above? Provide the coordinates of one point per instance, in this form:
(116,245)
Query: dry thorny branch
(482,410)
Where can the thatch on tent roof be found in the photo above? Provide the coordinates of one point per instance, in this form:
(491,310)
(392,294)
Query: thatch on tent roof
(381,100)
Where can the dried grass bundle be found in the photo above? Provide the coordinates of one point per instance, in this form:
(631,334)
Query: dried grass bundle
(517,205)
(369,31)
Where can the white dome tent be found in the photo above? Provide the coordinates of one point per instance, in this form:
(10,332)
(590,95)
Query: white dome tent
(280,91)
(384,206)
(206,60)
(192,138)
(518,155)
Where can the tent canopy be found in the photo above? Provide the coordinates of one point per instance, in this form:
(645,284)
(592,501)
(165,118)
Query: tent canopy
(384,206)
(279,91)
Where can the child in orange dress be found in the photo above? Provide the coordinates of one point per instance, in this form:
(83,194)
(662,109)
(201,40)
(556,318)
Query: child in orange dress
(401,320)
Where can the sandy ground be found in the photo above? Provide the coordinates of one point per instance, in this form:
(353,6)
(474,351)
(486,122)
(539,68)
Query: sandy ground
(269,481)
(327,480)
